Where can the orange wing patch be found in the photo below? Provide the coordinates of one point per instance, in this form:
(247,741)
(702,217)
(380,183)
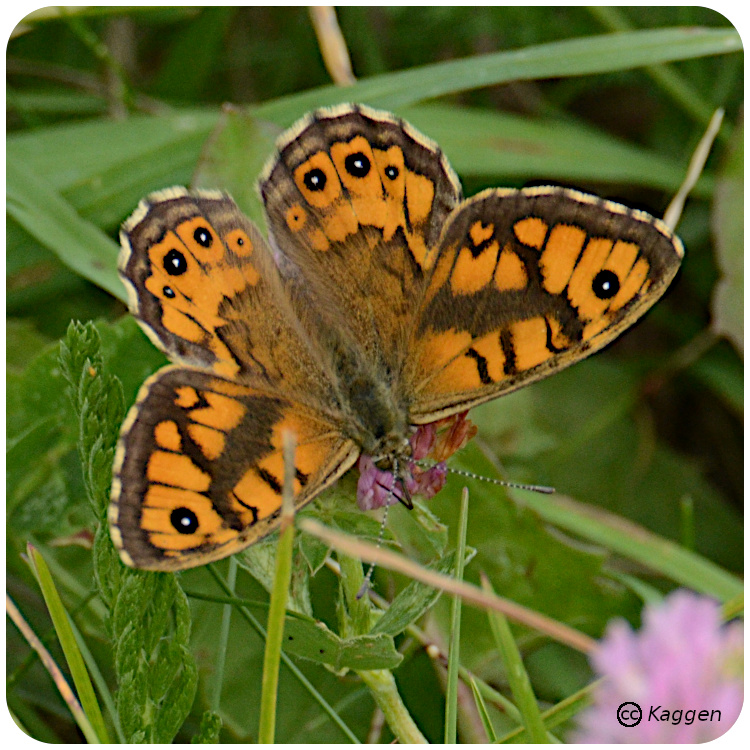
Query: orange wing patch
(167,435)
(531,231)
(473,271)
(510,272)
(559,256)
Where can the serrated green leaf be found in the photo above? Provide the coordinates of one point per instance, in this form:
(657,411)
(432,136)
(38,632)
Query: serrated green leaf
(149,617)
(209,730)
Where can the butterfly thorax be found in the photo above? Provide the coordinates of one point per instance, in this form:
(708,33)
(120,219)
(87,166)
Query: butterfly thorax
(374,417)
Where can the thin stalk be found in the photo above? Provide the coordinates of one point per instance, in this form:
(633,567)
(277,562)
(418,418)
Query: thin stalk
(383,689)
(518,677)
(451,693)
(279,595)
(221,653)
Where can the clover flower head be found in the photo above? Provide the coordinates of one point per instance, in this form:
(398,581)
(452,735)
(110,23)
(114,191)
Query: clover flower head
(684,669)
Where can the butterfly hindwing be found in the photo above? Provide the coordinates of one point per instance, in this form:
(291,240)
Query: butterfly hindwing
(199,468)
(527,282)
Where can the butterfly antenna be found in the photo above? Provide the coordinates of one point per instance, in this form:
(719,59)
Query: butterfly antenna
(365,587)
(541,488)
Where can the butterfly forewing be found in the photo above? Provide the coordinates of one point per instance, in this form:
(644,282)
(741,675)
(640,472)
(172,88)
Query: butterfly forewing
(527,282)
(356,200)
(204,287)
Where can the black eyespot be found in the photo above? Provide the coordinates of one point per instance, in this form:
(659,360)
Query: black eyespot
(184,520)
(315,179)
(358,165)
(605,284)
(168,292)
(203,237)
(175,263)
(391,172)
(240,241)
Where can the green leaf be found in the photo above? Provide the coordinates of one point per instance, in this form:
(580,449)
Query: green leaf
(103,168)
(238,147)
(727,305)
(572,57)
(413,601)
(312,640)
(259,560)
(49,218)
(502,146)
(419,531)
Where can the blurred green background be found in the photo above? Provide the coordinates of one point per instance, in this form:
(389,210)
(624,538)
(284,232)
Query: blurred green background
(105,105)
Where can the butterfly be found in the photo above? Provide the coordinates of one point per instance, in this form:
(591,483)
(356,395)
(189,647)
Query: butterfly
(380,304)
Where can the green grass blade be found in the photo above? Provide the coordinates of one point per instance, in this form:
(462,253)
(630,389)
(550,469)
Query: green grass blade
(672,83)
(574,57)
(48,217)
(67,639)
(279,595)
(275,634)
(636,543)
(68,696)
(451,692)
(221,647)
(518,677)
(484,714)
(105,694)
(500,145)
(558,714)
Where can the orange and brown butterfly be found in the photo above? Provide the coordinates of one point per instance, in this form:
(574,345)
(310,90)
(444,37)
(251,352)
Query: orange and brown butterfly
(381,303)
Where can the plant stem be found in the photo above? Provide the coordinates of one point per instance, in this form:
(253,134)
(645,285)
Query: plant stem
(383,688)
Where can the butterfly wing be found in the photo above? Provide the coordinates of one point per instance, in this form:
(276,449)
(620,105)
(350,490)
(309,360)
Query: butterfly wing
(199,468)
(204,286)
(527,282)
(355,201)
